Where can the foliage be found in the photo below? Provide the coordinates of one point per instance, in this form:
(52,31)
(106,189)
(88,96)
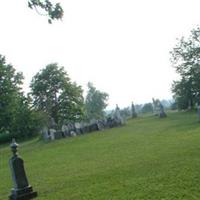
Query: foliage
(147,107)
(16,117)
(95,103)
(52,11)
(54,94)
(147,159)
(10,92)
(186,60)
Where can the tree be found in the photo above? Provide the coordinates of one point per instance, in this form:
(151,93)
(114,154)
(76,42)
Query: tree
(95,103)
(186,60)
(10,93)
(52,11)
(17,119)
(183,94)
(54,93)
(148,107)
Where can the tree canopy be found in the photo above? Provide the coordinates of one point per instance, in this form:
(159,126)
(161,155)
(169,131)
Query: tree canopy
(54,93)
(185,57)
(17,119)
(95,103)
(53,11)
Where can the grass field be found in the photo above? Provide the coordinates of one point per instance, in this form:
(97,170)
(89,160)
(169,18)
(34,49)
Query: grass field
(149,158)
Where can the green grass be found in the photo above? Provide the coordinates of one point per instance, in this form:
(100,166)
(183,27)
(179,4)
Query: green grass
(149,158)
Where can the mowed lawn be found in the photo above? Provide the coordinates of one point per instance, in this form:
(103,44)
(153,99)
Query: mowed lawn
(149,158)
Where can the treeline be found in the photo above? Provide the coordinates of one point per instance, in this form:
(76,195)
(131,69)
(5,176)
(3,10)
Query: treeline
(53,98)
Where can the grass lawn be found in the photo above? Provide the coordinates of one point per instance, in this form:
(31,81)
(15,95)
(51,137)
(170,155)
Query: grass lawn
(149,158)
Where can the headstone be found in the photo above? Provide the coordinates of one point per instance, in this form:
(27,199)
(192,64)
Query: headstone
(117,117)
(73,133)
(162,113)
(52,134)
(21,190)
(65,130)
(77,126)
(45,134)
(58,134)
(100,125)
(133,112)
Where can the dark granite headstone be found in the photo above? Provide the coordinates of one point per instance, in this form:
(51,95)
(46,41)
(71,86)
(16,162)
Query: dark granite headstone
(22,190)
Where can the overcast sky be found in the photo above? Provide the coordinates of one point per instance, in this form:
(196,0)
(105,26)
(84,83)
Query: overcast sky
(122,46)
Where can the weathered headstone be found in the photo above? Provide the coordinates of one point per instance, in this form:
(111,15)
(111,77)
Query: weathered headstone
(133,112)
(77,126)
(22,190)
(58,135)
(52,134)
(117,117)
(73,133)
(162,113)
(45,134)
(65,130)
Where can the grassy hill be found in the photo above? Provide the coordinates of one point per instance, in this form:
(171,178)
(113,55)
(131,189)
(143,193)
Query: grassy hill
(149,158)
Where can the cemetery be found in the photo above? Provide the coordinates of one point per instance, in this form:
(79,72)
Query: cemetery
(63,138)
(148,158)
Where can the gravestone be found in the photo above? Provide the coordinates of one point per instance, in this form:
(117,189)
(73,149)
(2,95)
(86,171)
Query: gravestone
(162,113)
(52,133)
(133,112)
(73,133)
(65,130)
(77,126)
(58,135)
(117,119)
(45,134)
(22,190)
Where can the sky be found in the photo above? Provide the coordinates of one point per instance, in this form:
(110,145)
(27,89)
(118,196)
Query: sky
(121,46)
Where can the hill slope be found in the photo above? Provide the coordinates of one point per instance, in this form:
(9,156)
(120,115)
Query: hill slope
(149,159)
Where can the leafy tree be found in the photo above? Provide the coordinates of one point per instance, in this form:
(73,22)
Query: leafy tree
(52,11)
(10,92)
(54,94)
(95,103)
(16,117)
(183,94)
(148,107)
(186,60)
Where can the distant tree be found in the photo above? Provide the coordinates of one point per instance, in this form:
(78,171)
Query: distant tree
(54,94)
(148,107)
(52,11)
(95,103)
(185,58)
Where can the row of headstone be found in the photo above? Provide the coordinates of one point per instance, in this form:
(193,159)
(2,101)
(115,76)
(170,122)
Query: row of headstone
(78,128)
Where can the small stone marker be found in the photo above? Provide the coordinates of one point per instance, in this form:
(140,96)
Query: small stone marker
(22,190)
